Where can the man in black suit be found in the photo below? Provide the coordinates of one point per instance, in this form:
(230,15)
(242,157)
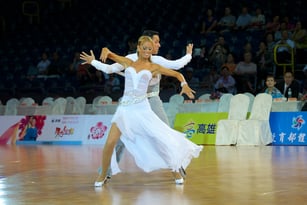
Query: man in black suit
(289,82)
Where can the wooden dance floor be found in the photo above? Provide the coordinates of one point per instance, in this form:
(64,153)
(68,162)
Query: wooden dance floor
(52,174)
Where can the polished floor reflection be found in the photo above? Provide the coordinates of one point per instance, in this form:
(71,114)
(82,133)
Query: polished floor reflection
(50,174)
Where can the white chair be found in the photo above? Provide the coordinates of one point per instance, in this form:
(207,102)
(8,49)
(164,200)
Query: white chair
(48,101)
(251,100)
(80,103)
(93,109)
(105,100)
(59,106)
(173,107)
(27,101)
(176,99)
(224,102)
(103,105)
(70,105)
(227,130)
(256,129)
(204,97)
(11,106)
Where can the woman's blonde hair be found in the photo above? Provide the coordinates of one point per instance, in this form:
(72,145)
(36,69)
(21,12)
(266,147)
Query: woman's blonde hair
(144,39)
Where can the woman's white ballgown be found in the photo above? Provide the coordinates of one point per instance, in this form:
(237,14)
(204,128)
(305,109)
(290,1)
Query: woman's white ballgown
(151,142)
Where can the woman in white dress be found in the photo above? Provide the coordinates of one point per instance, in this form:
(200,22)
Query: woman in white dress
(151,142)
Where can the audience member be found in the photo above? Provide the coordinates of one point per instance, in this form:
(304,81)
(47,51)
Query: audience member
(304,89)
(273,25)
(43,64)
(209,23)
(258,20)
(270,87)
(218,53)
(131,45)
(299,36)
(270,42)
(74,66)
(191,79)
(288,82)
(230,63)
(286,48)
(245,74)
(112,84)
(247,47)
(278,34)
(57,66)
(32,72)
(290,25)
(85,74)
(218,56)
(264,61)
(244,20)
(200,60)
(227,22)
(209,80)
(225,83)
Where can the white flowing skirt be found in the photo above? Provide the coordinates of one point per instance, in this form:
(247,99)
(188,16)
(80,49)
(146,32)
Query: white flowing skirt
(151,142)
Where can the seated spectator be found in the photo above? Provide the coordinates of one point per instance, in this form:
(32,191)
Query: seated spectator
(246,74)
(258,20)
(209,23)
(131,45)
(191,79)
(273,25)
(230,63)
(264,61)
(304,90)
(74,66)
(299,36)
(218,52)
(32,72)
(225,83)
(244,20)
(270,42)
(227,22)
(200,60)
(270,87)
(285,47)
(287,83)
(112,84)
(43,64)
(247,47)
(209,80)
(278,33)
(57,66)
(217,57)
(290,24)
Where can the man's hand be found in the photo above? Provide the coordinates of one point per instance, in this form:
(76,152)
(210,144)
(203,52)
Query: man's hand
(189,48)
(104,54)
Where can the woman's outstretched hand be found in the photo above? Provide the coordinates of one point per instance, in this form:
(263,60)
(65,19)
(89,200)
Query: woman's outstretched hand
(87,58)
(188,91)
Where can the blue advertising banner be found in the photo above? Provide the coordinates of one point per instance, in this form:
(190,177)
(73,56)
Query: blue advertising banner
(288,128)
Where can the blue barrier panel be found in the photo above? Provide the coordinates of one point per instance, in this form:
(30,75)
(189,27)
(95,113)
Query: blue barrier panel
(288,128)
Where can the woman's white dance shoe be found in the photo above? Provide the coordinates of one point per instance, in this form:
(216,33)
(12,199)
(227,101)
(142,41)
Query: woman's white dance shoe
(100,184)
(179,181)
